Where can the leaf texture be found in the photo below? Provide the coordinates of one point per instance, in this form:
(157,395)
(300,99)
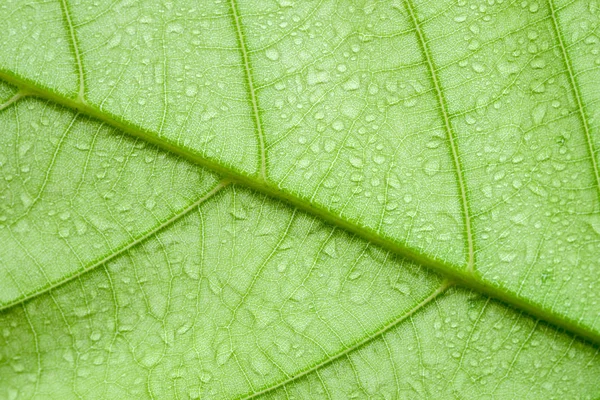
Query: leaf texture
(316,199)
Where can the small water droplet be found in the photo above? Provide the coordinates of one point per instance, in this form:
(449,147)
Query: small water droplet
(150,203)
(337,125)
(205,376)
(355,275)
(538,113)
(191,90)
(478,67)
(402,287)
(272,54)
(352,83)
(64,232)
(378,159)
(431,167)
(356,162)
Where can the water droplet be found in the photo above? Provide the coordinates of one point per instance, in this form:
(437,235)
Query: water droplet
(150,358)
(329,145)
(150,203)
(352,83)
(26,199)
(272,54)
(499,175)
(477,67)
(315,77)
(355,275)
(431,167)
(337,125)
(18,367)
(402,287)
(378,159)
(534,7)
(175,28)
(205,376)
(411,102)
(331,249)
(191,269)
(538,113)
(595,223)
(538,63)
(191,90)
(474,44)
(508,68)
(507,256)
(114,41)
(64,232)
(24,148)
(356,162)
(239,213)
(538,86)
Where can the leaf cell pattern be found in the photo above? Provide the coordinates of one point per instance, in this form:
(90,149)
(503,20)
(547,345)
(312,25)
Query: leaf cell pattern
(316,199)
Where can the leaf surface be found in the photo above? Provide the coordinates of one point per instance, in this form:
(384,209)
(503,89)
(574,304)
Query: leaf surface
(139,137)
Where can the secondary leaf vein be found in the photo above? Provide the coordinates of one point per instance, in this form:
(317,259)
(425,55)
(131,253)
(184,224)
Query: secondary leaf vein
(120,251)
(576,93)
(358,344)
(451,136)
(251,90)
(75,46)
(463,277)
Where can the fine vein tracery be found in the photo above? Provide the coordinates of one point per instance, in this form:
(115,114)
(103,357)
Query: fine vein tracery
(75,47)
(432,297)
(576,94)
(264,187)
(269,187)
(232,265)
(177,216)
(451,137)
(251,90)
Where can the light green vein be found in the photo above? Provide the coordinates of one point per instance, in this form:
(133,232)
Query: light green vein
(451,137)
(576,93)
(358,344)
(460,275)
(119,251)
(49,168)
(16,97)
(75,46)
(251,90)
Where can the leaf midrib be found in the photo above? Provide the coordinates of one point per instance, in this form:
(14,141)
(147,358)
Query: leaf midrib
(260,183)
(254,182)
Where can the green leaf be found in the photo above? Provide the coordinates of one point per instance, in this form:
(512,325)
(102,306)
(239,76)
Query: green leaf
(316,199)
